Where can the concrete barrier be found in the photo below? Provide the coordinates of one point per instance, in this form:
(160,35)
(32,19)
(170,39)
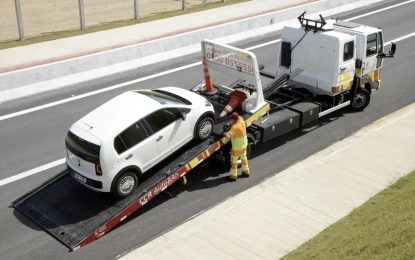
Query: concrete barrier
(41,78)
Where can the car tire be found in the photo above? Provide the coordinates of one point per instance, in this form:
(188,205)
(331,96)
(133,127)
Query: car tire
(125,184)
(204,128)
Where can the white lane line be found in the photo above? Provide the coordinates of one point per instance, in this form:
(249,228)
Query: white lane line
(62,160)
(379,10)
(63,101)
(32,171)
(262,45)
(404,37)
(66,100)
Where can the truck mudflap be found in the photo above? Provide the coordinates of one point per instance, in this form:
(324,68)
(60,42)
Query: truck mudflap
(77,216)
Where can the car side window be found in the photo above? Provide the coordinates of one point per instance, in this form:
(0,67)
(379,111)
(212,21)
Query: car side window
(130,137)
(161,118)
(372,44)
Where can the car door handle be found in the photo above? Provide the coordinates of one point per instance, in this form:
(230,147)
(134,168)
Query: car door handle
(129,156)
(159,138)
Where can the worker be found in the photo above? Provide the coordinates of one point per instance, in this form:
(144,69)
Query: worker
(239,141)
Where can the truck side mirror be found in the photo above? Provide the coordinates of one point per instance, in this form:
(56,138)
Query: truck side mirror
(391,52)
(393,49)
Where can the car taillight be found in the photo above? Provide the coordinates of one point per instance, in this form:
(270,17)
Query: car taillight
(98,169)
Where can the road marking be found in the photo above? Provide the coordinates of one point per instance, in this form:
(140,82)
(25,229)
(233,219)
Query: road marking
(62,160)
(378,11)
(32,171)
(404,37)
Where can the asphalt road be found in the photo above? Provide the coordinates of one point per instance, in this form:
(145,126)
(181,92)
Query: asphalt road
(37,138)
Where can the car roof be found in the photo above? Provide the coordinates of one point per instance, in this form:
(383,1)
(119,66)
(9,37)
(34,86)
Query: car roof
(112,117)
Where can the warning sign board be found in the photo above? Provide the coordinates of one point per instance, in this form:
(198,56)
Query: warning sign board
(227,56)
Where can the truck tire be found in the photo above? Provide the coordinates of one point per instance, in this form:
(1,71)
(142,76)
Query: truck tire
(361,100)
(204,128)
(125,184)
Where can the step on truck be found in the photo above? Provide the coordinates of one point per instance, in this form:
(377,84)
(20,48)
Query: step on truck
(320,69)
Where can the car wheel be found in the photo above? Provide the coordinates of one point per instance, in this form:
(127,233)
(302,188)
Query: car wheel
(125,184)
(204,128)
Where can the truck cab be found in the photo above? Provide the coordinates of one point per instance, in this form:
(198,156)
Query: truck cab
(339,61)
(369,52)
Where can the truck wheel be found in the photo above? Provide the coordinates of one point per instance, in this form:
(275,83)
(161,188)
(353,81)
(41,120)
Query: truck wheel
(204,128)
(125,184)
(361,100)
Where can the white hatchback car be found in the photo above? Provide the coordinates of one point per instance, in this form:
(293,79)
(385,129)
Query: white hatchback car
(114,144)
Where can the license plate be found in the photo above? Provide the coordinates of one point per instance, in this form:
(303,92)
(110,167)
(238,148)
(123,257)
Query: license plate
(79,177)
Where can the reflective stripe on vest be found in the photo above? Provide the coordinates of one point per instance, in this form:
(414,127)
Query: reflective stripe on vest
(239,143)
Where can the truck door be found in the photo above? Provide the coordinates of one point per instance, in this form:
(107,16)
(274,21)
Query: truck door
(373,63)
(347,66)
(380,50)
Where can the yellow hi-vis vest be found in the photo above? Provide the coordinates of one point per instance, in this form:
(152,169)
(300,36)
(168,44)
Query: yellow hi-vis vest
(238,135)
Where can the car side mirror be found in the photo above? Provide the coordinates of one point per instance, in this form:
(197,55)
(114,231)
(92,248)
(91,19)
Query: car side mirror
(182,115)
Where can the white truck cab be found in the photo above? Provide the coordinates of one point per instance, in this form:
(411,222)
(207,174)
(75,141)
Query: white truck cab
(369,51)
(340,61)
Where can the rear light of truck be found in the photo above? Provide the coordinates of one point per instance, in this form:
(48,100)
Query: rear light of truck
(335,89)
(98,169)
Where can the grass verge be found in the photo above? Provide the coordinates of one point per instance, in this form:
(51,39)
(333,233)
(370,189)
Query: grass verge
(112,25)
(382,228)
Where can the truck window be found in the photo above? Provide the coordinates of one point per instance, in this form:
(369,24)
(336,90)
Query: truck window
(371,44)
(161,118)
(348,51)
(130,137)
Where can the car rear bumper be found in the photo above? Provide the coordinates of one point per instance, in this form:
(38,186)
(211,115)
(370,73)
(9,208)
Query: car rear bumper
(92,184)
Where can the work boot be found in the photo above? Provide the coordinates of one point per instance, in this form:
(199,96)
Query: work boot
(245,174)
(232,177)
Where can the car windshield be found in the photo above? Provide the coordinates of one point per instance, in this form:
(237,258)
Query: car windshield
(162,97)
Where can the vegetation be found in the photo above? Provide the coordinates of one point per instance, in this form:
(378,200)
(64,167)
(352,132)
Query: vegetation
(107,26)
(382,228)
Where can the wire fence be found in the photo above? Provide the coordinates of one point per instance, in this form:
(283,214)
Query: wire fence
(20,19)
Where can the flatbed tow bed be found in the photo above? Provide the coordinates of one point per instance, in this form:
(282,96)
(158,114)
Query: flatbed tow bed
(77,216)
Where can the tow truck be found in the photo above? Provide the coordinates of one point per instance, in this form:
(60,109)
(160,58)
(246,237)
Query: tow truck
(77,216)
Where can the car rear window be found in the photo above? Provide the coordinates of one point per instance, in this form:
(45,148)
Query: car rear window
(81,146)
(163,98)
